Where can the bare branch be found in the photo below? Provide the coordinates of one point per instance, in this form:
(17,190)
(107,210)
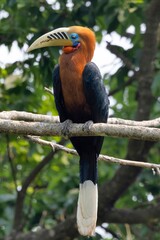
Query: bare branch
(48,90)
(137,163)
(32,117)
(26,116)
(55,146)
(108,159)
(98,129)
(149,123)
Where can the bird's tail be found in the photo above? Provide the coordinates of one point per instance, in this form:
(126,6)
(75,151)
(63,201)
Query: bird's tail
(88,195)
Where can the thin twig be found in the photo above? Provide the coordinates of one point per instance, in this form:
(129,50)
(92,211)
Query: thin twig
(53,145)
(150,123)
(123,85)
(48,90)
(108,159)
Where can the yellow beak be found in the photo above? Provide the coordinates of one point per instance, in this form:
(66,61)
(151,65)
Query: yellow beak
(57,37)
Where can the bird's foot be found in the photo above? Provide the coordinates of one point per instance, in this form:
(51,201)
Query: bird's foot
(66,127)
(87,125)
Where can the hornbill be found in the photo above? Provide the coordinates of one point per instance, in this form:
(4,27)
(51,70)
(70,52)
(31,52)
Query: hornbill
(81,97)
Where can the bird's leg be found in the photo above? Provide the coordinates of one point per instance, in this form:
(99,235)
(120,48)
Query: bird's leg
(87,125)
(66,127)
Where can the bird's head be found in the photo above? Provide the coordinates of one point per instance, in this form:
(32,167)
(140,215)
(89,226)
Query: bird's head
(70,38)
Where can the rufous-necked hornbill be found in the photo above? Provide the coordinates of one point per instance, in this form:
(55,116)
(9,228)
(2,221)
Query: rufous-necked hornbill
(81,97)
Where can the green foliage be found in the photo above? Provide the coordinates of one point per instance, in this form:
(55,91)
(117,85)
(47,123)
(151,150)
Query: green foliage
(53,194)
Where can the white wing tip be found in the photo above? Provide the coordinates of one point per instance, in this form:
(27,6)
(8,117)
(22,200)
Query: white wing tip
(87,208)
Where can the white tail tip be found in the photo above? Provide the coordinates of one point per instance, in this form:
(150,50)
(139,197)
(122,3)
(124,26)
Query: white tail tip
(87,208)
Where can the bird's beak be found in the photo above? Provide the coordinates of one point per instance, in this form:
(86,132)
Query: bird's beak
(57,37)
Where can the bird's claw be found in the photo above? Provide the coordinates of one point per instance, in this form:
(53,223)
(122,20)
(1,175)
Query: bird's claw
(66,127)
(87,125)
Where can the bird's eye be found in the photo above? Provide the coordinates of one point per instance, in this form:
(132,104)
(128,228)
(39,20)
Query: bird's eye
(74,36)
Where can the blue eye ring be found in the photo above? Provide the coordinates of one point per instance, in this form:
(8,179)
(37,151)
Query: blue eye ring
(74,36)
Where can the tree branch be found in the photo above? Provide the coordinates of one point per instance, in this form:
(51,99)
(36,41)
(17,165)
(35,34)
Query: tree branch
(123,85)
(48,90)
(116,50)
(133,216)
(101,157)
(26,116)
(97,129)
(32,117)
(18,216)
(130,216)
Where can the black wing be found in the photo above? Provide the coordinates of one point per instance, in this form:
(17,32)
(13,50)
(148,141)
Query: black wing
(95,93)
(59,101)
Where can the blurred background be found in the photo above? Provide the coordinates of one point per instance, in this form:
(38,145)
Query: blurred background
(39,188)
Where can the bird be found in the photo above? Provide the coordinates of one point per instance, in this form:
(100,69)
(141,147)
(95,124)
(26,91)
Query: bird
(80,97)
